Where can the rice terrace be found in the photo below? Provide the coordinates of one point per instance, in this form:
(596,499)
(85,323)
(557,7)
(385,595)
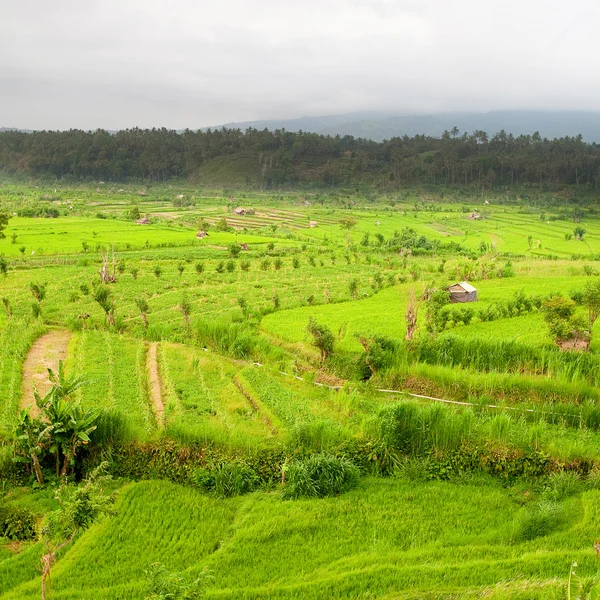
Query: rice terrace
(317,386)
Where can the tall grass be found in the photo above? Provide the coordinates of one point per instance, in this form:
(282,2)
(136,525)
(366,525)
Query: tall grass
(490,355)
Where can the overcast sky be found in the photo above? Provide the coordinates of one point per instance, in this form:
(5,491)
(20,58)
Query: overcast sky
(193,63)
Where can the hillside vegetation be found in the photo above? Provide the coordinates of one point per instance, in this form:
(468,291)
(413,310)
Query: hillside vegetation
(282,402)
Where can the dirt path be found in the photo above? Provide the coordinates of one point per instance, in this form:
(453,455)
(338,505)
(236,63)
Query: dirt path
(154,383)
(44,354)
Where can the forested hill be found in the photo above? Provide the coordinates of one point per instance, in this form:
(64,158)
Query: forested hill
(380,126)
(282,158)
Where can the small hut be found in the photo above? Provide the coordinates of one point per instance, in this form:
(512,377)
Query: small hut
(202,234)
(312,224)
(475,216)
(462,292)
(244,247)
(240,210)
(143,221)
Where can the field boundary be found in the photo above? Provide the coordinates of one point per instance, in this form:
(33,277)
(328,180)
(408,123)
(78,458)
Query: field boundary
(154,383)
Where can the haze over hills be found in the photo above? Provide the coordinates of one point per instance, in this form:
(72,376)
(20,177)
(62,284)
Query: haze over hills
(379,126)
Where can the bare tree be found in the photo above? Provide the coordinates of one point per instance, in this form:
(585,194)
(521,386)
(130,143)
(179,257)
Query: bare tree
(108,275)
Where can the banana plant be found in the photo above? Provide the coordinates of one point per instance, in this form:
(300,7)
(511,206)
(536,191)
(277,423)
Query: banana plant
(32,436)
(61,428)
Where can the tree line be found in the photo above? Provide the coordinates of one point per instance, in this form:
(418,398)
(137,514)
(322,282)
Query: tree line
(280,157)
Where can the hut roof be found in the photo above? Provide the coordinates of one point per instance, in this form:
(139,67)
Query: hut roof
(143,221)
(312,224)
(202,234)
(474,216)
(240,210)
(467,287)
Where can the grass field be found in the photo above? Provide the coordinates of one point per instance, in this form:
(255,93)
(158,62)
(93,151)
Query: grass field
(390,538)
(483,485)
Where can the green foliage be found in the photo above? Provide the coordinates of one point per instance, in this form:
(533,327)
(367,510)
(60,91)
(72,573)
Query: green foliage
(538,521)
(4,218)
(38,291)
(559,315)
(234,250)
(435,303)
(318,476)
(60,430)
(228,479)
(323,339)
(18,524)
(166,585)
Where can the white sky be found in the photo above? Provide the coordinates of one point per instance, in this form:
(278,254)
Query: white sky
(193,63)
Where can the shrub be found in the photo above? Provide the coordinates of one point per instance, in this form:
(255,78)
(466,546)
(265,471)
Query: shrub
(538,521)
(245,265)
(17,523)
(318,476)
(323,339)
(234,250)
(228,479)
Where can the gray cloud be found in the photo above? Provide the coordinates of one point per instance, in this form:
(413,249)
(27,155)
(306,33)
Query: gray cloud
(192,63)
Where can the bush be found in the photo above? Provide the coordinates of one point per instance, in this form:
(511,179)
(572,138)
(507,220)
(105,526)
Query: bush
(538,521)
(17,523)
(319,476)
(228,479)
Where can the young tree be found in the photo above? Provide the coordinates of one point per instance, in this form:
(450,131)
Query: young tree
(4,218)
(558,314)
(38,291)
(143,307)
(157,271)
(234,250)
(185,307)
(243,303)
(7,307)
(323,339)
(3,266)
(435,303)
(591,299)
(103,297)
(181,268)
(579,232)
(79,507)
(353,288)
(348,223)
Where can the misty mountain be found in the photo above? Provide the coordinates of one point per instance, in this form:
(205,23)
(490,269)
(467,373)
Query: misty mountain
(380,126)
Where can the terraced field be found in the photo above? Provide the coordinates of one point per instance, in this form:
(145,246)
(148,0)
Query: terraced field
(475,441)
